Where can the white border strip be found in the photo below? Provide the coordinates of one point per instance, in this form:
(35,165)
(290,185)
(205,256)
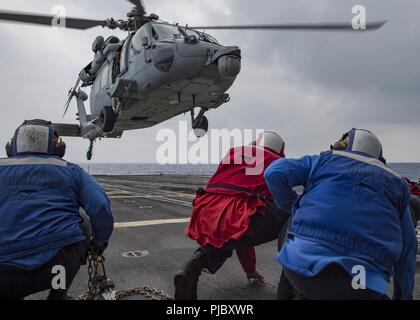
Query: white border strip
(32,161)
(135,224)
(371,161)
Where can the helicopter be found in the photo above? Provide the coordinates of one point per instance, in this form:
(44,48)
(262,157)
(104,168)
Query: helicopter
(159,71)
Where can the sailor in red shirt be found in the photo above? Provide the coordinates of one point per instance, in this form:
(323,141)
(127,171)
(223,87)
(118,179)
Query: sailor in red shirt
(415,200)
(234,212)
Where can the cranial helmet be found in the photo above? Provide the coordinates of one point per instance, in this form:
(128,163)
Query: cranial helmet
(359,140)
(36,136)
(271,141)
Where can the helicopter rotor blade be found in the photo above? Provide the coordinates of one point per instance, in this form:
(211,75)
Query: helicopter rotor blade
(297,27)
(48,20)
(139,5)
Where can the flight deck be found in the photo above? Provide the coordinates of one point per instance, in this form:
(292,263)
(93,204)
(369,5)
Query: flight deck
(148,245)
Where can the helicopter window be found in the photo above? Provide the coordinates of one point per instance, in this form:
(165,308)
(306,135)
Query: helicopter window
(138,37)
(194,33)
(200,35)
(165,31)
(209,38)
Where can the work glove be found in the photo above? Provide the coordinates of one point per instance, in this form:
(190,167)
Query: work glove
(100,249)
(255,276)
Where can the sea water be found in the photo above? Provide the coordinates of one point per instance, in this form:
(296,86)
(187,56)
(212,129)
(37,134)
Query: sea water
(410,170)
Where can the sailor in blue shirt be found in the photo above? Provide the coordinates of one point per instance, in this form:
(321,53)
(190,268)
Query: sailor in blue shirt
(40,226)
(351,229)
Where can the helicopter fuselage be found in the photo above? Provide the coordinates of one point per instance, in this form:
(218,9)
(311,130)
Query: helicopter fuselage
(150,78)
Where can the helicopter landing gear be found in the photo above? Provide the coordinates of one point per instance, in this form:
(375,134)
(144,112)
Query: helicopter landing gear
(200,124)
(109,118)
(89,154)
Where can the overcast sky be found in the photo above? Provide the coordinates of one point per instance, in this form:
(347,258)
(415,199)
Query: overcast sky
(310,87)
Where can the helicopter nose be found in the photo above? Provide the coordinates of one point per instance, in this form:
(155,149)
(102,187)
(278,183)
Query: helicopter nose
(208,59)
(229,66)
(228,61)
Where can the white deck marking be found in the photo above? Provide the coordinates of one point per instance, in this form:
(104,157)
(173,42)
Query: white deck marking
(156,198)
(135,224)
(115,193)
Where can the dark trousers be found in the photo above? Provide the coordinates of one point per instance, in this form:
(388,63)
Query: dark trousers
(285,290)
(333,283)
(264,228)
(16,284)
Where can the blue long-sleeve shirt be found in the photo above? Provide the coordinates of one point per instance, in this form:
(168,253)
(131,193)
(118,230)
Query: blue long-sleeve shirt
(310,255)
(40,198)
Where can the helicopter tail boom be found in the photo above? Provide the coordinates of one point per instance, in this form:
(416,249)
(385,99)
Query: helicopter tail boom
(68,130)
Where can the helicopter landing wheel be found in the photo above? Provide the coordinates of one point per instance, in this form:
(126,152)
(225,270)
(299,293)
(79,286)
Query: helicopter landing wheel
(89,155)
(201,127)
(109,119)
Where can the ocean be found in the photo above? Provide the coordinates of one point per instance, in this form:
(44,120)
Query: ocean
(410,170)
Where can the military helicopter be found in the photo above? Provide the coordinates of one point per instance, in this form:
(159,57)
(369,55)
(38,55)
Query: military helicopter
(159,71)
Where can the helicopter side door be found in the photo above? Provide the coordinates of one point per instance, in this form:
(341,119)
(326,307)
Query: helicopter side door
(99,97)
(105,77)
(135,58)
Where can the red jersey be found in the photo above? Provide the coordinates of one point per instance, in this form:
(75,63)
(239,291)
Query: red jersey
(222,212)
(414,188)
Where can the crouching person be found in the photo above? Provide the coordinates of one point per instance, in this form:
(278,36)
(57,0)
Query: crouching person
(40,226)
(415,200)
(351,229)
(234,212)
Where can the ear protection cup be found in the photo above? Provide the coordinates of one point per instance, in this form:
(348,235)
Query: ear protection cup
(9,149)
(59,148)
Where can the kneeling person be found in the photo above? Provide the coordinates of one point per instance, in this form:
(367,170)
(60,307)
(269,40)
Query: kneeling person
(234,212)
(352,217)
(40,225)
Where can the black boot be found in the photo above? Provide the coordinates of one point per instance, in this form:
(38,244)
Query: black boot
(58,295)
(285,290)
(186,281)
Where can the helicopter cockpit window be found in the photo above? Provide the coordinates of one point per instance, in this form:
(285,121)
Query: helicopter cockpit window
(200,35)
(138,37)
(210,38)
(165,31)
(194,33)
(162,31)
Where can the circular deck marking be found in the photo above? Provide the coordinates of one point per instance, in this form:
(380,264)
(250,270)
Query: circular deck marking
(135,254)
